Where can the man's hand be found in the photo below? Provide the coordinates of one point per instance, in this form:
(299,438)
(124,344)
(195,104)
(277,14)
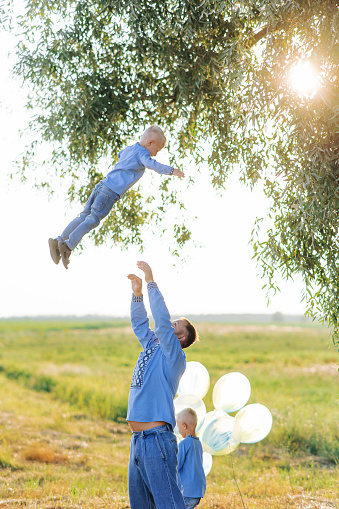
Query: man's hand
(147,271)
(178,173)
(136,284)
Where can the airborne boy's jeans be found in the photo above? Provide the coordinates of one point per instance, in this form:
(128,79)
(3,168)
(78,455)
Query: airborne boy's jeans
(152,471)
(97,207)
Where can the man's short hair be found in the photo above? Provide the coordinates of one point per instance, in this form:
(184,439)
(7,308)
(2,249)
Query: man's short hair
(154,130)
(192,333)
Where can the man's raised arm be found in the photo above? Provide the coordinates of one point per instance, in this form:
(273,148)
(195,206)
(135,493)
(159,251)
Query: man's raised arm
(140,322)
(162,320)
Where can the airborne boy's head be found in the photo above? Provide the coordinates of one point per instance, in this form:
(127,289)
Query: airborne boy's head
(153,139)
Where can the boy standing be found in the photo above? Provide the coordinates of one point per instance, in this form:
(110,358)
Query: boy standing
(152,471)
(130,168)
(191,475)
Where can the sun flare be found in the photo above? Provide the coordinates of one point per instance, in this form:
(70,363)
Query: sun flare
(304,78)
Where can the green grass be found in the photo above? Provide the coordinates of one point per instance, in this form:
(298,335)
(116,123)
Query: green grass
(65,384)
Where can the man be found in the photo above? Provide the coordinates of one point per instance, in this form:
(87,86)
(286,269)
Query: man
(152,474)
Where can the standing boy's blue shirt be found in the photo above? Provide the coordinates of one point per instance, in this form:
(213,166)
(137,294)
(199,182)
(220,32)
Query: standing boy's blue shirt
(160,366)
(130,168)
(191,475)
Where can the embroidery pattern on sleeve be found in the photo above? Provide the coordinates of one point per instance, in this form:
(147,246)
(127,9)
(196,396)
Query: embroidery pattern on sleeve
(152,284)
(144,358)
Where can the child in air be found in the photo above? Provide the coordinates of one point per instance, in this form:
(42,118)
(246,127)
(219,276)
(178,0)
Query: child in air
(130,168)
(191,475)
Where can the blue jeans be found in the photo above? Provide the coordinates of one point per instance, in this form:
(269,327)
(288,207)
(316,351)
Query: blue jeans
(152,470)
(97,207)
(191,502)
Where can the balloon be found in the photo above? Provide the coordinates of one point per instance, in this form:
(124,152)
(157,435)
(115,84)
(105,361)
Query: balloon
(207,461)
(195,380)
(255,421)
(190,401)
(231,392)
(221,435)
(208,417)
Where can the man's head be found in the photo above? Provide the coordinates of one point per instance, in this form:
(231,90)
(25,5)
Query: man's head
(153,139)
(185,332)
(187,422)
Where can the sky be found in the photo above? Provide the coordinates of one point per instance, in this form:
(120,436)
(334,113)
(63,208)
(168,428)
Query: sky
(220,276)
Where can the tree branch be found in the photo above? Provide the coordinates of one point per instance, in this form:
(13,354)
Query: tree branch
(256,37)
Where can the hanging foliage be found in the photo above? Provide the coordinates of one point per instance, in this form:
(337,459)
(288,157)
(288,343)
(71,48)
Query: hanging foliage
(213,74)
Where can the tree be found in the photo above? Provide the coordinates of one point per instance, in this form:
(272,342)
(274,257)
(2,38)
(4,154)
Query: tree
(6,8)
(215,74)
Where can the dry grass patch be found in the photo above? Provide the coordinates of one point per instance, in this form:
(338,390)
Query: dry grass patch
(286,501)
(230,501)
(43,453)
(109,502)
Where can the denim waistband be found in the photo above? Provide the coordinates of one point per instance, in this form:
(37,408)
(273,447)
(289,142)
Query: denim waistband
(153,431)
(101,184)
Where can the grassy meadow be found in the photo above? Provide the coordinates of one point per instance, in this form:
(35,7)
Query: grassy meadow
(64,442)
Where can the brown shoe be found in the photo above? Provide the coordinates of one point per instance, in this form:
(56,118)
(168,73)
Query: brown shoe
(65,252)
(54,250)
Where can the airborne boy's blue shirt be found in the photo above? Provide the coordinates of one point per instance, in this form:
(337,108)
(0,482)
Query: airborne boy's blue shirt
(191,475)
(130,168)
(160,365)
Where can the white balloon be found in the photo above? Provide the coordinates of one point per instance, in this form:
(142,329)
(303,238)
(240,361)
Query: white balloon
(195,380)
(221,435)
(231,392)
(207,462)
(255,421)
(190,401)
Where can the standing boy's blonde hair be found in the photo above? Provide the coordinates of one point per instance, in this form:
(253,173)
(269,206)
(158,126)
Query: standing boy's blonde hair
(188,416)
(153,130)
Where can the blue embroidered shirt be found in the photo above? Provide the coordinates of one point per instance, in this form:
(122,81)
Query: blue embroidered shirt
(160,365)
(130,168)
(191,475)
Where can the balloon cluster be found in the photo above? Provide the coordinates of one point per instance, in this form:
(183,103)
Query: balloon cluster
(219,432)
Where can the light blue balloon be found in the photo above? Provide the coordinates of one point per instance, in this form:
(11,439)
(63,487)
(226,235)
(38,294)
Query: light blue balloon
(221,435)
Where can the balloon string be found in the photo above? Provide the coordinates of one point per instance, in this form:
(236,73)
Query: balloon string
(242,500)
